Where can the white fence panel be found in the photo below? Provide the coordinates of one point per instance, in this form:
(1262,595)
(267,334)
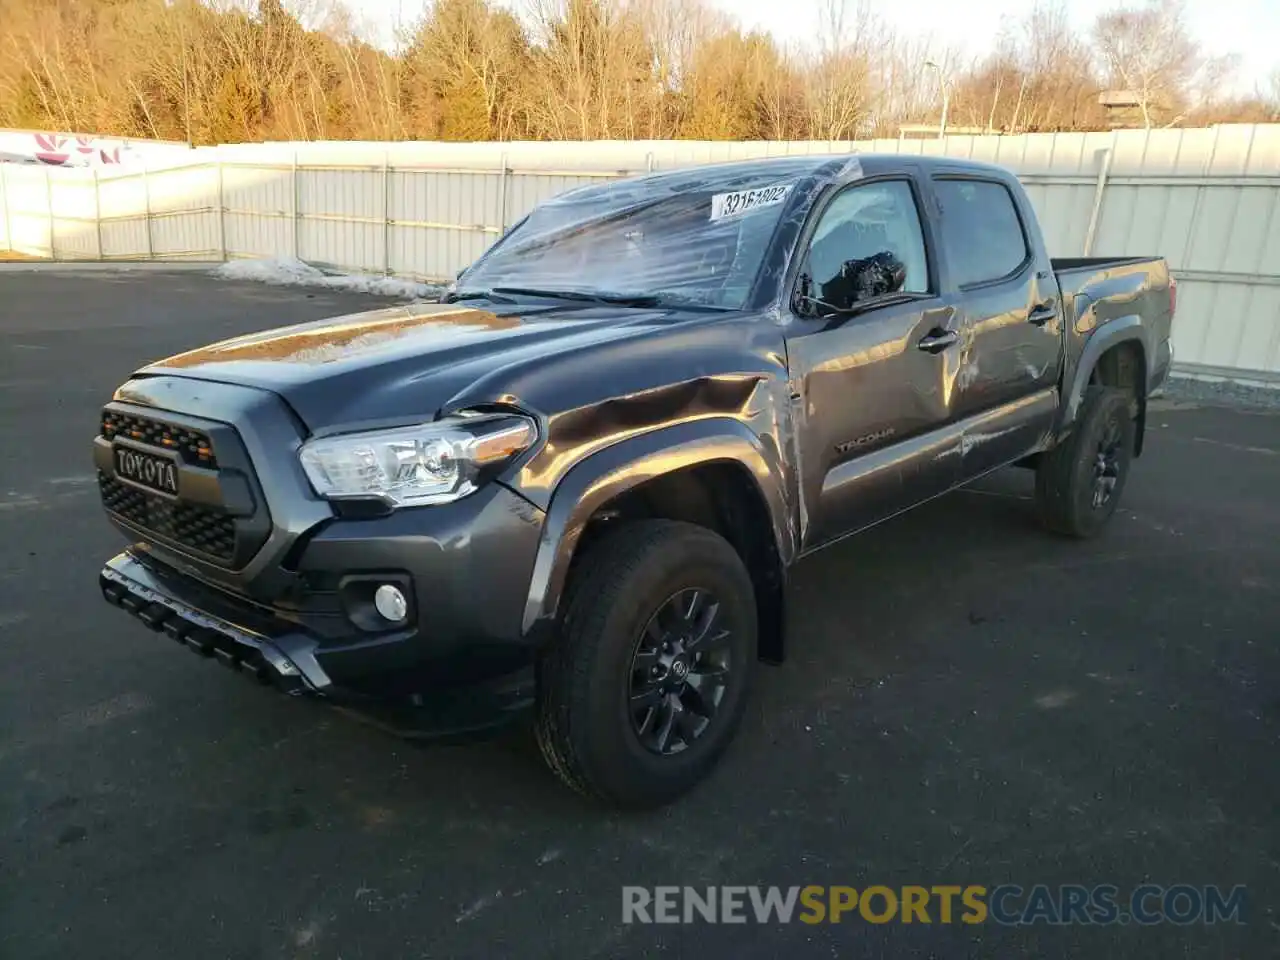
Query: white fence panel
(442,220)
(28,213)
(258,211)
(341,216)
(184,213)
(125,227)
(528,189)
(73,208)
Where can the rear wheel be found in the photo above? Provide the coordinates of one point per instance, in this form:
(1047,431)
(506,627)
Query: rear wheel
(1079,482)
(645,687)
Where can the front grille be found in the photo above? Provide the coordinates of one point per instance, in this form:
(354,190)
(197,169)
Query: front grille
(192,445)
(188,525)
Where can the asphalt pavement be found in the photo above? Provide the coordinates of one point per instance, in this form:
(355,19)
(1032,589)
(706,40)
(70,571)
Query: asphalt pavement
(968,701)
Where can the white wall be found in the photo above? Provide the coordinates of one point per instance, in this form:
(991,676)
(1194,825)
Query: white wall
(82,150)
(1205,199)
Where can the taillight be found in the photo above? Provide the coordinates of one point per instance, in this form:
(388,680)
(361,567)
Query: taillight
(1173,295)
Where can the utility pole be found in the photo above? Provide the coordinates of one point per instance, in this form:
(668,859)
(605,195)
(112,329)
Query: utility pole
(943,89)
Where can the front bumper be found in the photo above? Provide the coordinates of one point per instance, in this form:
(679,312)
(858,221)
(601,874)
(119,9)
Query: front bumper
(279,654)
(287,596)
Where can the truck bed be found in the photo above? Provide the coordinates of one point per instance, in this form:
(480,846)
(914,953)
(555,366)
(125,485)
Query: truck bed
(1098,292)
(1098,275)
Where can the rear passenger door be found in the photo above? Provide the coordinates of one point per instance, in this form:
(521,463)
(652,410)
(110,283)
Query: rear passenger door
(1010,321)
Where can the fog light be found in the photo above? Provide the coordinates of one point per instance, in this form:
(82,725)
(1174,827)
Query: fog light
(390,602)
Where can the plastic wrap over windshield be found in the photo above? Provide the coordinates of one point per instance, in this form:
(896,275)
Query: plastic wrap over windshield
(701,246)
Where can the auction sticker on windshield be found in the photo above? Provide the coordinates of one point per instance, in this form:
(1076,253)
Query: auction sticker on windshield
(741,201)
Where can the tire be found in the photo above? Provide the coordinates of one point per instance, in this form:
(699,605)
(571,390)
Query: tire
(631,580)
(1079,482)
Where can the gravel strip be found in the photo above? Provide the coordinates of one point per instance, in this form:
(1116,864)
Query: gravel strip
(1222,394)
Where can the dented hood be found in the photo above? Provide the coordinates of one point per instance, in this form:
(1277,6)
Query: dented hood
(408,361)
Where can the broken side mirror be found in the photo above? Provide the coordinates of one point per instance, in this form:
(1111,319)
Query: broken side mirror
(874,276)
(865,279)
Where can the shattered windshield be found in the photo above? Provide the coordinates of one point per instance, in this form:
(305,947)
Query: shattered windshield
(694,246)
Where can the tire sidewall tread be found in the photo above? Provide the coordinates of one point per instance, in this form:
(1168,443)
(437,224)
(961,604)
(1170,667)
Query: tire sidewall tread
(1065,472)
(582,727)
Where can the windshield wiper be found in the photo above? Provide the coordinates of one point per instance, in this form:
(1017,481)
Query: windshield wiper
(619,299)
(477,295)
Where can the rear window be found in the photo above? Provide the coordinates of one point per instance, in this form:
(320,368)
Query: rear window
(981,230)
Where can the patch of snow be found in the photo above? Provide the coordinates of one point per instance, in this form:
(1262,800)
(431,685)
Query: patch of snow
(288,272)
(279,272)
(484,903)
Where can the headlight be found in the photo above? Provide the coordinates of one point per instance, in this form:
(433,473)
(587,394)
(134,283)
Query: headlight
(431,463)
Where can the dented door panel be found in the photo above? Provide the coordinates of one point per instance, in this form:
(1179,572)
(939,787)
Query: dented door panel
(999,436)
(1002,355)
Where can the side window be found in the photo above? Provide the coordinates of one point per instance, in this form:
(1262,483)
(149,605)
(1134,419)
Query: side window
(981,231)
(862,225)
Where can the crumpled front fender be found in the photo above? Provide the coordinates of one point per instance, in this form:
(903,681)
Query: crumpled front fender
(625,465)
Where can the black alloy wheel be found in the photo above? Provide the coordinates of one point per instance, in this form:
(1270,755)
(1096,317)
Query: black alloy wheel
(1107,461)
(679,673)
(1079,482)
(645,685)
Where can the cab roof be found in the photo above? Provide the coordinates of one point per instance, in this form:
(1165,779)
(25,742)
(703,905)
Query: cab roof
(739,174)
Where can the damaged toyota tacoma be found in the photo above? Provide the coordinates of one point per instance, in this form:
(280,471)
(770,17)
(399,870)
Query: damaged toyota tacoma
(572,489)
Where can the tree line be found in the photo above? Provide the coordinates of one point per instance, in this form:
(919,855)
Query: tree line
(225,71)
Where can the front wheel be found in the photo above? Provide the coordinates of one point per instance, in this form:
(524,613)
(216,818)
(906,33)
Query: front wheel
(1079,482)
(645,687)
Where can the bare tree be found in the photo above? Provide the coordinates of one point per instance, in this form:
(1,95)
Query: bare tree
(1149,51)
(839,85)
(779,89)
(471,56)
(1060,82)
(226,70)
(592,71)
(675,31)
(903,89)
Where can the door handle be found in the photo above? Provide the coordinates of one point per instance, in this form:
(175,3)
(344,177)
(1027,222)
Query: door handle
(1042,313)
(937,340)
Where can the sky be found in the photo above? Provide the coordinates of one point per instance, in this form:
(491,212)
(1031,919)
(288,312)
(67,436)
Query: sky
(1250,28)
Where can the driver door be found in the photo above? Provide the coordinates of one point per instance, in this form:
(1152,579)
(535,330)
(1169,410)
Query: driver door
(870,390)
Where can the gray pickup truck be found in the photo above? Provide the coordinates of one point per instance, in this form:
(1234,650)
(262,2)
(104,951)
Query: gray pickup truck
(573,489)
